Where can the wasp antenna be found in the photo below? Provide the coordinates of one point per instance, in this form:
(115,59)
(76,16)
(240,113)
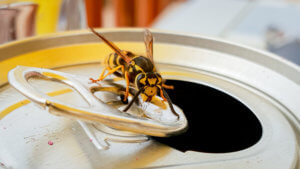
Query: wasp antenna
(133,100)
(111,45)
(170,103)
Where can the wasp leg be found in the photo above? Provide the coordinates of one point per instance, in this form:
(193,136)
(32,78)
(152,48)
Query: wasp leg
(162,94)
(170,104)
(133,100)
(112,71)
(109,73)
(117,89)
(127,86)
(100,77)
(168,86)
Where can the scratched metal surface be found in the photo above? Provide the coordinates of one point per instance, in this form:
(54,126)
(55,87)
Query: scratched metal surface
(266,84)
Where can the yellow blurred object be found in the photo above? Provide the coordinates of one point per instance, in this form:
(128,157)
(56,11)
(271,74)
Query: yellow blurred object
(47,16)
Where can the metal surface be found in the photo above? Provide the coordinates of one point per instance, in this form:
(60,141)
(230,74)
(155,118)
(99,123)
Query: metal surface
(266,84)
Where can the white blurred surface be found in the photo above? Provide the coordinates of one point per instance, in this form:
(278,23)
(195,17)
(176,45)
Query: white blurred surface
(203,17)
(245,22)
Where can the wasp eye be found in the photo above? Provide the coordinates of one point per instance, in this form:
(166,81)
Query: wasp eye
(140,80)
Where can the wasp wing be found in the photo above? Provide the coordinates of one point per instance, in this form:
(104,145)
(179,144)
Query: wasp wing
(148,39)
(112,46)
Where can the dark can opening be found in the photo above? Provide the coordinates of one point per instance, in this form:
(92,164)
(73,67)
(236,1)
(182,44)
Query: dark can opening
(218,123)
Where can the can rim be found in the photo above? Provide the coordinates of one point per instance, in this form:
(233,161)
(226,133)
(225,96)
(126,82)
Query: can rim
(267,59)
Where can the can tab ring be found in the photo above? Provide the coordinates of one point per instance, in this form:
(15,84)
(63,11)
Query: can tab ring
(100,121)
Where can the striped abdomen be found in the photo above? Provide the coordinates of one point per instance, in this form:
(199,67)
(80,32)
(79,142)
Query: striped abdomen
(113,60)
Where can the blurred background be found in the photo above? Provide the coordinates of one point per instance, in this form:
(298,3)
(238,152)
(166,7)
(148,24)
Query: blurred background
(272,25)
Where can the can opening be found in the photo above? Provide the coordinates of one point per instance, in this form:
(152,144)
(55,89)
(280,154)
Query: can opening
(218,123)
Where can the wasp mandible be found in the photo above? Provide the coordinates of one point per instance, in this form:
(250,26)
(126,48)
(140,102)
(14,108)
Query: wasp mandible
(138,71)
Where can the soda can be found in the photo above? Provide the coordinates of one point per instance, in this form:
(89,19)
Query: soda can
(239,107)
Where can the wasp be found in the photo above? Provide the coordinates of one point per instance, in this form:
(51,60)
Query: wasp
(138,71)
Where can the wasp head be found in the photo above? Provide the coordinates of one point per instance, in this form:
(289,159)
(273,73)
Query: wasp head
(150,83)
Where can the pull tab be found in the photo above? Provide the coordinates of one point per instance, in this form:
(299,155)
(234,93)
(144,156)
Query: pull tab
(113,124)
